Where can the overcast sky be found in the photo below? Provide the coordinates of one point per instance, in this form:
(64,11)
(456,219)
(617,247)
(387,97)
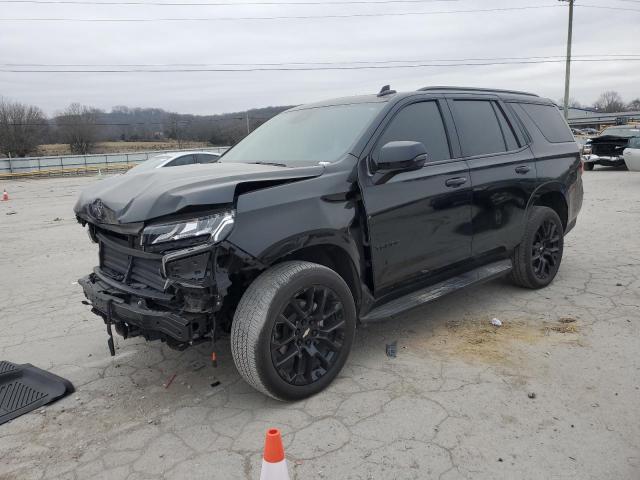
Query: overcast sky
(425,38)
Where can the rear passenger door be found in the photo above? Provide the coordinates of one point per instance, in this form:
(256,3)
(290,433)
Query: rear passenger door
(502,169)
(418,220)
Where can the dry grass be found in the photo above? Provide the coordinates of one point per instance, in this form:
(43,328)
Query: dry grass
(476,340)
(120,147)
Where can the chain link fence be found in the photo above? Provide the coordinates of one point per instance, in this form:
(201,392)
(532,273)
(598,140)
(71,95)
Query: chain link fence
(81,164)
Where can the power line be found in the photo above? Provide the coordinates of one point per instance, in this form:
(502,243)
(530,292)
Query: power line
(228,4)
(304,17)
(181,123)
(347,62)
(241,4)
(607,7)
(285,69)
(280,17)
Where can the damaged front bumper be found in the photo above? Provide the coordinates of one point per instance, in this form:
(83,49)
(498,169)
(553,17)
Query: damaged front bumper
(132,316)
(605,160)
(176,296)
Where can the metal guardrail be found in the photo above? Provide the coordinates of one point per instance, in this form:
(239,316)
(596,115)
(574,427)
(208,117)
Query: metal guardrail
(81,164)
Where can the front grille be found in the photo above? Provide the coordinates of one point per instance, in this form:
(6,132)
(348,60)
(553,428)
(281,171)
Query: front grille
(128,265)
(611,149)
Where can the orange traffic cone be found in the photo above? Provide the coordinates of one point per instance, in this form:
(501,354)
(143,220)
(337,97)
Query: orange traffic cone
(5,196)
(274,466)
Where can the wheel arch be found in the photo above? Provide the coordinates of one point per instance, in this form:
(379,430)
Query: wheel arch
(331,255)
(551,195)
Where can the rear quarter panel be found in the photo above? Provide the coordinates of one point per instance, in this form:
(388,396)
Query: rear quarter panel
(557,166)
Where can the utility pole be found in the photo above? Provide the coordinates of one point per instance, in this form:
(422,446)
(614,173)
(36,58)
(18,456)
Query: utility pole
(247,116)
(567,73)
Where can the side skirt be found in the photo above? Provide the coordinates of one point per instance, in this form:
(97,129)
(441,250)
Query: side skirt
(440,289)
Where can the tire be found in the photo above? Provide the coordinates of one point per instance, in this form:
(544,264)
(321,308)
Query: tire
(279,321)
(535,250)
(588,166)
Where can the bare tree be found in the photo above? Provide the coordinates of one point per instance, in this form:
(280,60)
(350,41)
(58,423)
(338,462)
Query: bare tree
(573,103)
(174,129)
(77,126)
(610,102)
(634,105)
(22,127)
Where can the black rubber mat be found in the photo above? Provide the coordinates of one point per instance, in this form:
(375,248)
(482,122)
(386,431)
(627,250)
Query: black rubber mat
(24,388)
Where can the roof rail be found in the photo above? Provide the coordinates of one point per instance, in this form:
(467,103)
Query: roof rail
(476,89)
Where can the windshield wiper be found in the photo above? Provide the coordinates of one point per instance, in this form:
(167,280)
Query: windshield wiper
(276,164)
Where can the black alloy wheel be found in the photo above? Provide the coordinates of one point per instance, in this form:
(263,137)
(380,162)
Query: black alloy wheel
(545,250)
(308,335)
(293,329)
(537,258)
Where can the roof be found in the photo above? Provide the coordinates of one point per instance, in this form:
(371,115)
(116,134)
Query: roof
(375,98)
(496,91)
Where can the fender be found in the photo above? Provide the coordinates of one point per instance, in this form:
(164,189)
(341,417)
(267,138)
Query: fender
(317,211)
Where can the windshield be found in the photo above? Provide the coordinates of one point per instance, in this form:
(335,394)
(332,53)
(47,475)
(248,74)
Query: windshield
(305,137)
(150,164)
(622,131)
(634,142)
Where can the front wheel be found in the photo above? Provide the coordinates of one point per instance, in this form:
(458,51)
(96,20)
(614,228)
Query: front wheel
(293,329)
(537,259)
(588,166)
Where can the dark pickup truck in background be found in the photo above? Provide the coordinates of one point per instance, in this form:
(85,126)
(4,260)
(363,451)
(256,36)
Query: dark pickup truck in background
(608,147)
(330,214)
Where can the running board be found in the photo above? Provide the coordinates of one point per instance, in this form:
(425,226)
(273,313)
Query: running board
(433,292)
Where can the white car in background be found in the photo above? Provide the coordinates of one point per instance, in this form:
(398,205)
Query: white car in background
(631,154)
(175,159)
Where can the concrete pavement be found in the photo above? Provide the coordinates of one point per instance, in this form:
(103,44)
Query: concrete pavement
(454,404)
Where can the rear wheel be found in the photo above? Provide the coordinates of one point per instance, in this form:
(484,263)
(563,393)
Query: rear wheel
(537,259)
(293,329)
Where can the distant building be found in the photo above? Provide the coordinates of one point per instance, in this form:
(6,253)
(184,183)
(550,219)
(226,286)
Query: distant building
(590,118)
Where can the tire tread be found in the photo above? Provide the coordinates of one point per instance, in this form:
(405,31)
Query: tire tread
(251,315)
(520,273)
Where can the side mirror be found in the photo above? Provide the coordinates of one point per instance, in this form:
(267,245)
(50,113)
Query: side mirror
(398,156)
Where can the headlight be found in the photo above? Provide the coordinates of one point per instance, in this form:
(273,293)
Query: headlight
(214,228)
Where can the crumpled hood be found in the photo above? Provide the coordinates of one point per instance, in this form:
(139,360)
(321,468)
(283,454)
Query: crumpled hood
(143,196)
(618,139)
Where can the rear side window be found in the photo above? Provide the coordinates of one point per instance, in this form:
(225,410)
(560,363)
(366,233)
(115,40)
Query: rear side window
(549,121)
(479,129)
(418,122)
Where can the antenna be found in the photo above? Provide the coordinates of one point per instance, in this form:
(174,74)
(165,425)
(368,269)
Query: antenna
(386,90)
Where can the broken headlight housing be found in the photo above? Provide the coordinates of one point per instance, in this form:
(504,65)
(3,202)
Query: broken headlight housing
(211,228)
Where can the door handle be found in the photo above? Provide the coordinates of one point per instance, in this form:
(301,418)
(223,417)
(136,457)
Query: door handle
(523,169)
(455,182)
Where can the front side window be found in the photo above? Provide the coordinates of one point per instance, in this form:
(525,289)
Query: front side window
(418,122)
(306,136)
(207,158)
(478,127)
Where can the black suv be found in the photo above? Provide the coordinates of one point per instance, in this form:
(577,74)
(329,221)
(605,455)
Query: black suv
(331,214)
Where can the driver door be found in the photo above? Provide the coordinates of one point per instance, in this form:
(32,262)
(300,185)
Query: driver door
(419,221)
